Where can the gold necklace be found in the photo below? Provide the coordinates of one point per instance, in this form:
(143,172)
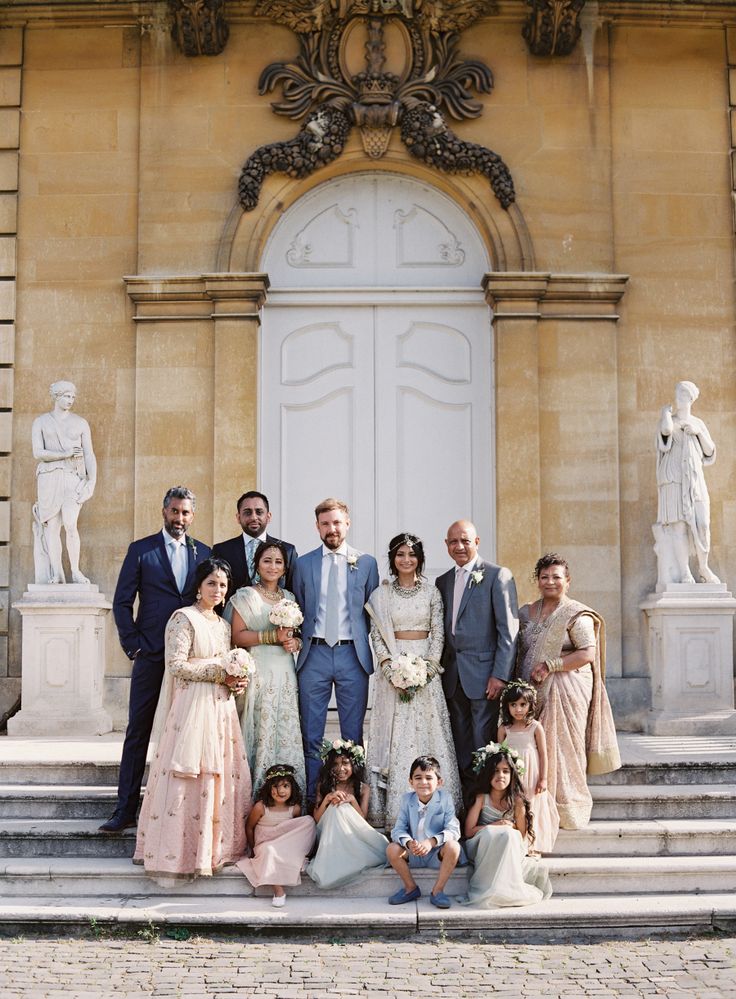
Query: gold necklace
(272,596)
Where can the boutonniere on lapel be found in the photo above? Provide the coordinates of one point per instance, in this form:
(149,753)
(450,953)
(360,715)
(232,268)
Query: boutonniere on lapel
(191,545)
(476,577)
(352,560)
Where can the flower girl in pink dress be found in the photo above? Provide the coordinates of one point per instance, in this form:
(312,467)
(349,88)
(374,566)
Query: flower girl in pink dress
(523,733)
(279,836)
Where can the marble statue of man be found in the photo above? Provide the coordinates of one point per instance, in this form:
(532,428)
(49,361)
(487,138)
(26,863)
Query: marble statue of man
(684,447)
(66,475)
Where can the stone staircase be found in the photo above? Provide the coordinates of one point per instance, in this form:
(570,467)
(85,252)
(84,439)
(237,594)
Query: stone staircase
(660,852)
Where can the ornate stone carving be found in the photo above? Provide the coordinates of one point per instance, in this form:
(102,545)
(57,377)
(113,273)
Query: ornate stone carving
(552,27)
(433,81)
(426,136)
(199,26)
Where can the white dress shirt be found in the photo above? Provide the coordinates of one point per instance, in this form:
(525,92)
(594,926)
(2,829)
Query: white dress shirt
(345,630)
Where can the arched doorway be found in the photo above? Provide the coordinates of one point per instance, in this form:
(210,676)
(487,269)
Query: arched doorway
(376,364)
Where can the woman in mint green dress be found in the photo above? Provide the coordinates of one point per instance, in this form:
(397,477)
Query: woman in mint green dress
(270,719)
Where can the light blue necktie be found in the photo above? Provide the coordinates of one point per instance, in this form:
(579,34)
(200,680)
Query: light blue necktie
(332,623)
(179,564)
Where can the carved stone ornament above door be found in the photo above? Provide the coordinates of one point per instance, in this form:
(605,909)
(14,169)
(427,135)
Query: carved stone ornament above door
(552,28)
(199,26)
(377,65)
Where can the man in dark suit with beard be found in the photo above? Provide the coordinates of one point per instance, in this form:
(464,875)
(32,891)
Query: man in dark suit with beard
(253,516)
(159,572)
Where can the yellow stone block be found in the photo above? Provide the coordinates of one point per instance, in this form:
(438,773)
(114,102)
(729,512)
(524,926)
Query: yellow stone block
(4,565)
(8,171)
(7,256)
(57,131)
(7,344)
(6,394)
(67,47)
(4,504)
(9,128)
(11,46)
(7,302)
(8,213)
(5,472)
(10,87)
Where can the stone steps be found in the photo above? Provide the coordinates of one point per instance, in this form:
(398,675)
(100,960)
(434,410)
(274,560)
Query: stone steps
(102,877)
(626,801)
(557,918)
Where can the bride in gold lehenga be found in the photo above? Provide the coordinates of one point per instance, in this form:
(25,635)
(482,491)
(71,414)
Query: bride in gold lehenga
(562,649)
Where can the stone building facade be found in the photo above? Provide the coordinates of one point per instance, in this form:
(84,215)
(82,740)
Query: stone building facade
(230,349)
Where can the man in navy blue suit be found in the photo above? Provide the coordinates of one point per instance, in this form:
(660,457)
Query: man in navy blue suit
(254,516)
(159,571)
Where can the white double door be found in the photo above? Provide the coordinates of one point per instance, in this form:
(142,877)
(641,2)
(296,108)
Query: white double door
(383,399)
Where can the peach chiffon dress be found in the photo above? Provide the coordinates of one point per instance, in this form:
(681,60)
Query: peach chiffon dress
(198,794)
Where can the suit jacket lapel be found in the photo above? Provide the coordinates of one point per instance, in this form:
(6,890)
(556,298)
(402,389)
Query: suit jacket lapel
(165,560)
(317,576)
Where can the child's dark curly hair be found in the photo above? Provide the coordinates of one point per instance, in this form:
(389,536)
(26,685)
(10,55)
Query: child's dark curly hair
(327,781)
(513,792)
(515,691)
(280,771)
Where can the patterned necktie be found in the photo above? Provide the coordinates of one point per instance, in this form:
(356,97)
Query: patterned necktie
(250,554)
(422,821)
(179,564)
(461,578)
(332,624)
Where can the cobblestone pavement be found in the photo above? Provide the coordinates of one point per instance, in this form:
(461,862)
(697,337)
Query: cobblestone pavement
(415,968)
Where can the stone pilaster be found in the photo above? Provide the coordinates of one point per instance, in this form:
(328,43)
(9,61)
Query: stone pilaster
(557,431)
(11,64)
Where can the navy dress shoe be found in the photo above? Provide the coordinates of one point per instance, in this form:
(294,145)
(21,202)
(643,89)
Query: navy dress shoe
(117,822)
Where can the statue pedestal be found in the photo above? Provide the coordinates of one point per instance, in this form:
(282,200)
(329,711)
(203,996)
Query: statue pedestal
(63,661)
(690,652)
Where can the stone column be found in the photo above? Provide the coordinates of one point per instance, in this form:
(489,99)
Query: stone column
(557,431)
(196,393)
(237,301)
(63,661)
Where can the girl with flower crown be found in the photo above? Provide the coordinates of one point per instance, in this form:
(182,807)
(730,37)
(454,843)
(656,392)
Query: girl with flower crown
(407,625)
(279,836)
(523,733)
(499,827)
(347,844)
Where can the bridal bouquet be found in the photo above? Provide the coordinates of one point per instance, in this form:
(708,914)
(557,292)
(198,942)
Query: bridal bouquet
(408,673)
(240,663)
(286,614)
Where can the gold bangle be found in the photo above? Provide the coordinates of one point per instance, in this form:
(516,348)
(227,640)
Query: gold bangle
(554,665)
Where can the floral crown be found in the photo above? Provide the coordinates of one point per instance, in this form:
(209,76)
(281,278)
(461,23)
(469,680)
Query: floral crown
(519,687)
(343,747)
(276,773)
(482,755)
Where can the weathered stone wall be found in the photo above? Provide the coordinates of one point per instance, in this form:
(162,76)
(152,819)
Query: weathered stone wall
(128,164)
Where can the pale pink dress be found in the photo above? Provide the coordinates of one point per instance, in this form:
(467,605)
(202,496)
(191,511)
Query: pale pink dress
(198,794)
(282,843)
(544,807)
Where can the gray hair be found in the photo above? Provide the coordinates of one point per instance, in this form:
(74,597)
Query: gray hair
(182,493)
(59,388)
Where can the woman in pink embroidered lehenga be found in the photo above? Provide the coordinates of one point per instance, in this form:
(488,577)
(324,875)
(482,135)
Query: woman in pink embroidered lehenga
(562,649)
(198,794)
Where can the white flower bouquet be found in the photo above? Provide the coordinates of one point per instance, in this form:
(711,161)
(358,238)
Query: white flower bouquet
(408,673)
(286,614)
(239,663)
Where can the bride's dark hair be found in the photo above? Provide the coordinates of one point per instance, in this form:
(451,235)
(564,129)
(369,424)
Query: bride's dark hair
(413,542)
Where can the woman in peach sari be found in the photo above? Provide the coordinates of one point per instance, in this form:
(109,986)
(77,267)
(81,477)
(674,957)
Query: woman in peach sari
(562,649)
(197,798)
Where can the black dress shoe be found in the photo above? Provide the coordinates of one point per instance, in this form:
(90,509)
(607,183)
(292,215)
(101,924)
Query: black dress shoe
(117,822)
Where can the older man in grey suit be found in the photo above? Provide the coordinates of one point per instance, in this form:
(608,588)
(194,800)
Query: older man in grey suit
(481,625)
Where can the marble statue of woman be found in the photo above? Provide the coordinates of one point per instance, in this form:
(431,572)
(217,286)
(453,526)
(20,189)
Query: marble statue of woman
(66,475)
(684,447)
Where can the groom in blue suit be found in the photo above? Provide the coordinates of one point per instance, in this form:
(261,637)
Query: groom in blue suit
(331,585)
(159,571)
